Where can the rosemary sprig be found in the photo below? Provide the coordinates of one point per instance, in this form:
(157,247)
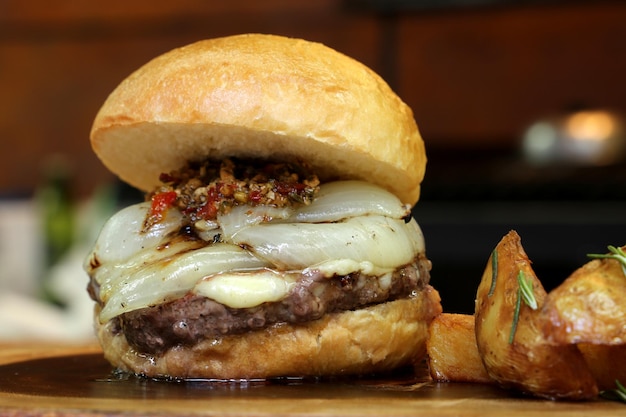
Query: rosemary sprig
(524,292)
(494,272)
(615,253)
(617,394)
(526,289)
(518,305)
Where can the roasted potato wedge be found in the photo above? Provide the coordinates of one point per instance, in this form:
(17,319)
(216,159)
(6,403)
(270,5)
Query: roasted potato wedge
(453,354)
(589,306)
(510,341)
(452,351)
(607,363)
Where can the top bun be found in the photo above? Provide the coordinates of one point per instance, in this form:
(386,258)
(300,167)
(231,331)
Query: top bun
(260,96)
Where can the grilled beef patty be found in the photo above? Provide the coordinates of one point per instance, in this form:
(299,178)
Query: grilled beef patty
(187,320)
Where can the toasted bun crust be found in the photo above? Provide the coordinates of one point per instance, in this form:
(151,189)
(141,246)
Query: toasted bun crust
(260,96)
(373,339)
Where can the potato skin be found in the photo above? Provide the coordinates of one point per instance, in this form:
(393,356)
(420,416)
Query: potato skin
(589,306)
(452,351)
(607,363)
(528,363)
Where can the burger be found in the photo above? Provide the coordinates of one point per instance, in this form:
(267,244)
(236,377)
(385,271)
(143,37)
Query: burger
(276,237)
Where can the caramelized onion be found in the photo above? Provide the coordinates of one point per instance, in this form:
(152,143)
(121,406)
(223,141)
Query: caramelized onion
(385,242)
(240,217)
(122,236)
(344,199)
(335,201)
(135,285)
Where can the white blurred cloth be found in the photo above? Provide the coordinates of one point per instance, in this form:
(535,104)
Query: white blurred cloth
(23,314)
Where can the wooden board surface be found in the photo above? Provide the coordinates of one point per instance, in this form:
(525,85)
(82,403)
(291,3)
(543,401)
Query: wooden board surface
(38,380)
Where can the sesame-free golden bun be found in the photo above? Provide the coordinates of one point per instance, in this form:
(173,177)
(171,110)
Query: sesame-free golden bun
(260,96)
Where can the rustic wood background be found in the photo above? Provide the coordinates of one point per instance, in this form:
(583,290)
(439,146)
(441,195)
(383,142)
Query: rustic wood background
(474,77)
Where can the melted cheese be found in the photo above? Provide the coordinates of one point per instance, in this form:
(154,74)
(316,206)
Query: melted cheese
(244,290)
(334,267)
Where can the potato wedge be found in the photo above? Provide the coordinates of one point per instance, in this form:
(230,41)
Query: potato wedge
(514,351)
(607,363)
(453,354)
(589,306)
(452,351)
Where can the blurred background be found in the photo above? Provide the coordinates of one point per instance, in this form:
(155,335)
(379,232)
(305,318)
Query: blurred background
(521,104)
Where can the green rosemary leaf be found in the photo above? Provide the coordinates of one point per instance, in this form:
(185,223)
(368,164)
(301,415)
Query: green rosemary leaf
(518,305)
(615,253)
(621,390)
(617,394)
(524,292)
(526,288)
(494,272)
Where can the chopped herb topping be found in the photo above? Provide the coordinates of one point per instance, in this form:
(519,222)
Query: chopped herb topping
(202,190)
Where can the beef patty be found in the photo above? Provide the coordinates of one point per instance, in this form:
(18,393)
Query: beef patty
(187,320)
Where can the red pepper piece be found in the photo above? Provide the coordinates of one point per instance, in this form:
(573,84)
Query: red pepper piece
(161,202)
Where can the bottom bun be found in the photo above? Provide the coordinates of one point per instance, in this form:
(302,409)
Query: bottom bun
(374,339)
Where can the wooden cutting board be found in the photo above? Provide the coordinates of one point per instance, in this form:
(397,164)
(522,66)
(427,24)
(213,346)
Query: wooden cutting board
(53,380)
